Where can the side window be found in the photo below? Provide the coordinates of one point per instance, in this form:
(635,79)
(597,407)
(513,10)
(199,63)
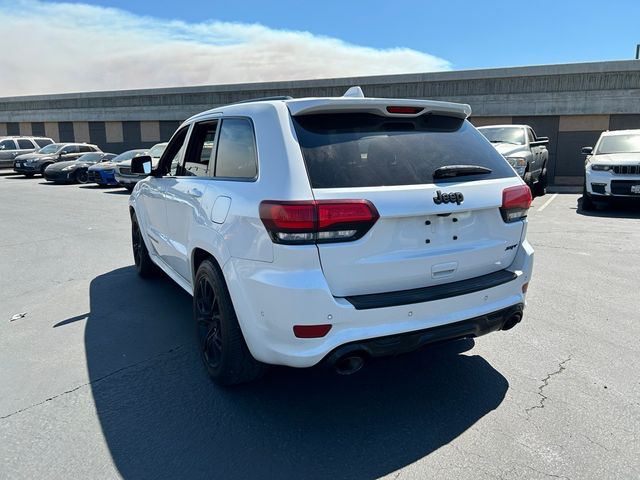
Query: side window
(200,151)
(532,136)
(86,148)
(169,163)
(70,148)
(24,144)
(236,156)
(7,145)
(43,142)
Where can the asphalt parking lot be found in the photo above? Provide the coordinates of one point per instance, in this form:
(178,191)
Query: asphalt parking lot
(101,377)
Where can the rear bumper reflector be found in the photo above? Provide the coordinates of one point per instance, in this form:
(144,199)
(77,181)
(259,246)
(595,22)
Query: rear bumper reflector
(428,294)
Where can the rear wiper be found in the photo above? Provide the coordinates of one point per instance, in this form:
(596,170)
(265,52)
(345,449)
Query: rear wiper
(460,170)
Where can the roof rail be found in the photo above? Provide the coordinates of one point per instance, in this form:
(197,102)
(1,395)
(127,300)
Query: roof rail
(263,99)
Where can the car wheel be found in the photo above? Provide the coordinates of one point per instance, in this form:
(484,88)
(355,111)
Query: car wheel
(129,188)
(223,350)
(144,265)
(540,188)
(587,202)
(43,168)
(29,175)
(82,176)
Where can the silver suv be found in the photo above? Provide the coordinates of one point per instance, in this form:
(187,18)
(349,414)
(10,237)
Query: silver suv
(11,147)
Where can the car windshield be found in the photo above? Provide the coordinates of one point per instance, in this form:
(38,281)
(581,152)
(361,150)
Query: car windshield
(90,157)
(619,144)
(53,148)
(157,150)
(128,155)
(513,135)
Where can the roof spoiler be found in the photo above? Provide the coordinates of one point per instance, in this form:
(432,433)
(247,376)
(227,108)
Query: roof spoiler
(354,100)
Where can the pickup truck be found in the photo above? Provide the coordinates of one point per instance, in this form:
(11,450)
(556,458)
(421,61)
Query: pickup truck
(524,150)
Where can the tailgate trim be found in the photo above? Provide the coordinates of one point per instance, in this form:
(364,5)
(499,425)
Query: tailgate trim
(429,294)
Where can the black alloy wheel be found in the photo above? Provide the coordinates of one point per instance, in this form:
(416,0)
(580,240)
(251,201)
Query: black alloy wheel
(207,311)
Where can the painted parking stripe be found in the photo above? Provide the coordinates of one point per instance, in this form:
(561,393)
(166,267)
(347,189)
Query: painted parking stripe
(546,204)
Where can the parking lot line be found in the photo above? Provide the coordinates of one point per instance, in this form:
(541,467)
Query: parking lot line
(546,204)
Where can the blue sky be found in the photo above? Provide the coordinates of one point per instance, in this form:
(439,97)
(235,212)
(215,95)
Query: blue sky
(468,34)
(96,45)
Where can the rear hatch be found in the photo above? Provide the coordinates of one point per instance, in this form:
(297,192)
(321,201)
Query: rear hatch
(434,226)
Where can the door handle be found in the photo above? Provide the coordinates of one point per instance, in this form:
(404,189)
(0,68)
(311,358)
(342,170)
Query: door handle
(194,192)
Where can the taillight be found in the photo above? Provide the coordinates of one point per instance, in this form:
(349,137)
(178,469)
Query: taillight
(515,203)
(319,221)
(405,110)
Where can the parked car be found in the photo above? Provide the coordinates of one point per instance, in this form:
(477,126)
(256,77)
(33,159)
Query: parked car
(36,162)
(11,147)
(123,174)
(75,171)
(103,173)
(612,168)
(332,230)
(524,150)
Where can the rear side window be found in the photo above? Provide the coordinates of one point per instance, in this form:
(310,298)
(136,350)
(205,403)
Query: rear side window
(236,156)
(366,150)
(25,144)
(87,148)
(43,142)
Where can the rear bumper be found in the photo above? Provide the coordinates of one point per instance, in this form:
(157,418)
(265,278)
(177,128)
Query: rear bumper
(407,342)
(269,301)
(603,185)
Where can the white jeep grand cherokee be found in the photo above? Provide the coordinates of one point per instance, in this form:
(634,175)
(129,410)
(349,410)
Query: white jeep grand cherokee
(612,168)
(333,230)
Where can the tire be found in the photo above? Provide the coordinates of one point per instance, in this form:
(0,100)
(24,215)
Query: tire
(222,346)
(29,175)
(144,265)
(540,188)
(82,176)
(43,168)
(587,202)
(129,188)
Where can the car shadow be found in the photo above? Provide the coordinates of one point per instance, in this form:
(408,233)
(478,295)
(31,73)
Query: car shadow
(162,417)
(617,208)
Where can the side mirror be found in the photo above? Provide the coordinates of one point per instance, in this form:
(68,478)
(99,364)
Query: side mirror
(63,152)
(587,150)
(141,165)
(1,147)
(542,139)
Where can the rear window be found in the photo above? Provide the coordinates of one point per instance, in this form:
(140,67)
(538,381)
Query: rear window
(366,150)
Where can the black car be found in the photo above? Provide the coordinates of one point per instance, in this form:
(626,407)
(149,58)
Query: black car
(36,162)
(75,171)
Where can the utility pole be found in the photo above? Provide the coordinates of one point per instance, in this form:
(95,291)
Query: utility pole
(638,51)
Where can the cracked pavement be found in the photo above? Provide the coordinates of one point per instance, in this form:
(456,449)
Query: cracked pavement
(101,378)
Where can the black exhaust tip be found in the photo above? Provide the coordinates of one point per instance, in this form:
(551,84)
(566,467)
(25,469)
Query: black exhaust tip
(512,321)
(349,364)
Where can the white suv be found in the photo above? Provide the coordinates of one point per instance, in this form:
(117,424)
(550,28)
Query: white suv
(333,230)
(612,168)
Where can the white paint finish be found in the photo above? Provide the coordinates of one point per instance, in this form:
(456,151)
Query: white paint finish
(220,209)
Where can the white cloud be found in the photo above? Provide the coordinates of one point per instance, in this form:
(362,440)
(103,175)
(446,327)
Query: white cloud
(71,47)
